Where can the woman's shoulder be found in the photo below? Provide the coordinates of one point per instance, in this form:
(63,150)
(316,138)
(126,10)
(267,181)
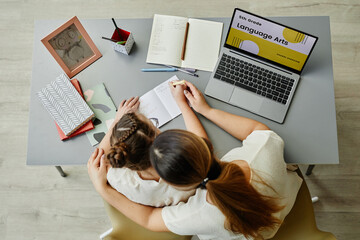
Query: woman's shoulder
(267,149)
(258,141)
(261,137)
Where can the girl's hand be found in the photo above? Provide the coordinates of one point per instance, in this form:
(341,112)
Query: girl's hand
(196,99)
(178,93)
(127,106)
(97,169)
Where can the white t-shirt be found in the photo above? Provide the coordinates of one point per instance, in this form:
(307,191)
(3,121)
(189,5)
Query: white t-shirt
(146,192)
(263,150)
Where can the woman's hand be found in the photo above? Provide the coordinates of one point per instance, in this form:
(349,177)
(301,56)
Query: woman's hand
(196,99)
(127,106)
(178,93)
(97,169)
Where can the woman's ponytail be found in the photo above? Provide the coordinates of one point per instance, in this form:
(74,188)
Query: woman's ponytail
(246,210)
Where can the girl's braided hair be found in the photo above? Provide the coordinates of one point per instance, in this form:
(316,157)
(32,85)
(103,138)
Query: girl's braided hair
(130,141)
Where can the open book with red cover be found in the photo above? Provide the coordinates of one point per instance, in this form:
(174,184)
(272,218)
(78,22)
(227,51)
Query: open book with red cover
(86,127)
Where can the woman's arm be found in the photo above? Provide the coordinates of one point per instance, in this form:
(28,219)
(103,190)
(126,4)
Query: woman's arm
(126,106)
(192,122)
(239,127)
(146,216)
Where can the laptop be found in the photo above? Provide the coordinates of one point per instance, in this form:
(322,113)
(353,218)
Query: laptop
(260,65)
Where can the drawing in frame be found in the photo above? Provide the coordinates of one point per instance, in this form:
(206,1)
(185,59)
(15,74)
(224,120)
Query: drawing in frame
(72,47)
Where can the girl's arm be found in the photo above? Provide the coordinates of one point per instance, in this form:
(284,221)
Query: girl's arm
(126,106)
(192,122)
(239,127)
(146,216)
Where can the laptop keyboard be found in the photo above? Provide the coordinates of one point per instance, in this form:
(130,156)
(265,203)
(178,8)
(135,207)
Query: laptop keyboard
(254,78)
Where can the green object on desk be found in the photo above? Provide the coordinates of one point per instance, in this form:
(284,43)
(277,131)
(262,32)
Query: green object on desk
(121,42)
(100,102)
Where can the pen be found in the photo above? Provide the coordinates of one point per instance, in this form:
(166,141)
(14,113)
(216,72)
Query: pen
(159,69)
(116,27)
(190,73)
(192,70)
(182,70)
(110,39)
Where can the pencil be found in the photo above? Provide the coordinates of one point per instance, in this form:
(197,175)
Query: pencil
(185,40)
(179,82)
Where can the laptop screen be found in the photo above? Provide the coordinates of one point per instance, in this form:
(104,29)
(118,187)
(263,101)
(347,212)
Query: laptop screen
(266,39)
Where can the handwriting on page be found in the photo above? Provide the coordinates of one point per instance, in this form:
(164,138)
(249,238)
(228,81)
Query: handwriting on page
(164,94)
(157,47)
(167,36)
(160,35)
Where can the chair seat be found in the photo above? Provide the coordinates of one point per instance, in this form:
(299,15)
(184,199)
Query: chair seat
(300,223)
(125,229)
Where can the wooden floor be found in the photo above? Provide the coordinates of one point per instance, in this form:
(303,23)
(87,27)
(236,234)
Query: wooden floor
(36,203)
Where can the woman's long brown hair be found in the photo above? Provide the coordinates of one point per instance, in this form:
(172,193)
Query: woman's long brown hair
(182,158)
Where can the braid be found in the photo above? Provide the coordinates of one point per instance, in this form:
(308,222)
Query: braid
(130,142)
(118,154)
(131,130)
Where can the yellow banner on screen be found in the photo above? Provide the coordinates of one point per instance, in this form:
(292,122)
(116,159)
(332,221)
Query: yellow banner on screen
(267,49)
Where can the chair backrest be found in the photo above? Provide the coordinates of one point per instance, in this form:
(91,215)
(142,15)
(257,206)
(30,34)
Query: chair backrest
(300,223)
(125,229)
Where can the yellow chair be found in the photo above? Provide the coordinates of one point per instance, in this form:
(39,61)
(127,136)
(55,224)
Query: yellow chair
(300,223)
(125,229)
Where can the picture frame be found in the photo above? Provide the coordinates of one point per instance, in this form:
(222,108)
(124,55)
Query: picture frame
(72,47)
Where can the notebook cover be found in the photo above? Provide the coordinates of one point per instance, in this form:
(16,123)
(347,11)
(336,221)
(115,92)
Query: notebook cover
(65,105)
(88,126)
(102,105)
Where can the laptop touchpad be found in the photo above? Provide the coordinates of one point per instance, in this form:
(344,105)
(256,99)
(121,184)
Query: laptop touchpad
(218,89)
(246,100)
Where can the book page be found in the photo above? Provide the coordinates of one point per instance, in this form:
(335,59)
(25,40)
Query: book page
(167,37)
(203,44)
(165,96)
(152,107)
